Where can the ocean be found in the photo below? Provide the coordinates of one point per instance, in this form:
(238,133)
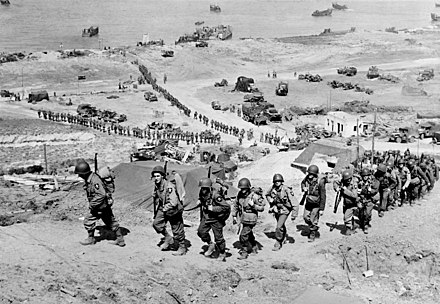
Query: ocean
(37,25)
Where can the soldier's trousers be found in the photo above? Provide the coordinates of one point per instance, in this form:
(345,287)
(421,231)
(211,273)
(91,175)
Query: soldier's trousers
(281,231)
(348,216)
(176,221)
(311,216)
(217,229)
(247,238)
(106,215)
(365,213)
(413,192)
(386,198)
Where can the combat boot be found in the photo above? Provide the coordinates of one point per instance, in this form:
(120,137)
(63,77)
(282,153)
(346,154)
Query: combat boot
(381,214)
(167,242)
(366,229)
(222,257)
(119,238)
(243,255)
(210,250)
(312,236)
(254,250)
(276,246)
(90,240)
(181,251)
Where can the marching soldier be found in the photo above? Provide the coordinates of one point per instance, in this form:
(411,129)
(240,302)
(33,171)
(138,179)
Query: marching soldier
(368,195)
(247,205)
(388,183)
(416,180)
(167,208)
(348,190)
(281,201)
(214,211)
(100,203)
(315,198)
(405,178)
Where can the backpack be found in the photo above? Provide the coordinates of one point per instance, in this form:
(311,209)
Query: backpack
(107,177)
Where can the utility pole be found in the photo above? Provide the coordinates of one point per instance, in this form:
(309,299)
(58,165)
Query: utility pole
(22,86)
(357,140)
(374,132)
(45,157)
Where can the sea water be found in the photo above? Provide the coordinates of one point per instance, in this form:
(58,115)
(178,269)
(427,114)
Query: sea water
(32,25)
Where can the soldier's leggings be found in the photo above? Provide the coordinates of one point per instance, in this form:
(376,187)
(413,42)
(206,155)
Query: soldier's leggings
(385,199)
(281,231)
(311,216)
(247,238)
(365,213)
(413,192)
(106,215)
(348,215)
(176,221)
(217,229)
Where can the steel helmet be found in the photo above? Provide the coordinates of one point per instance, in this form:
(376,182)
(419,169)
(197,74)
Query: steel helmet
(346,175)
(390,164)
(411,163)
(382,168)
(423,165)
(82,167)
(401,161)
(365,172)
(277,178)
(158,169)
(205,182)
(313,169)
(244,183)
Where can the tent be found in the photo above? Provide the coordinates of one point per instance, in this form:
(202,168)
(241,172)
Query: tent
(133,182)
(38,96)
(244,84)
(336,152)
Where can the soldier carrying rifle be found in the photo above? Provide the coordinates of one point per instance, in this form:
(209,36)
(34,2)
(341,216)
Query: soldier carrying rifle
(368,195)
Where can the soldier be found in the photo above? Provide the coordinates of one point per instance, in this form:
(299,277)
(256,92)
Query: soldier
(388,183)
(416,180)
(167,208)
(405,178)
(247,205)
(348,190)
(214,211)
(368,195)
(281,201)
(426,186)
(315,198)
(100,203)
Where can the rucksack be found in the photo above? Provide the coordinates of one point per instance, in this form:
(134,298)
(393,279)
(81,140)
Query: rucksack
(107,176)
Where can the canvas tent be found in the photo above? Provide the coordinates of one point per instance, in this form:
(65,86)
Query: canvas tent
(244,84)
(38,96)
(133,182)
(336,153)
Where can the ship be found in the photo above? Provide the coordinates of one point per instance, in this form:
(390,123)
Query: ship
(215,8)
(5,2)
(435,17)
(339,7)
(224,32)
(91,31)
(327,12)
(329,32)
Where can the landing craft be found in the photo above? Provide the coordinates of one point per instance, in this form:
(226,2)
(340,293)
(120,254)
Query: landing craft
(327,12)
(339,7)
(91,31)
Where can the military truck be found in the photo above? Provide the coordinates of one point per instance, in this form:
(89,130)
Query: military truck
(216,105)
(425,131)
(254,113)
(166,53)
(143,153)
(86,110)
(426,75)
(373,72)
(273,115)
(282,89)
(150,96)
(401,136)
(348,71)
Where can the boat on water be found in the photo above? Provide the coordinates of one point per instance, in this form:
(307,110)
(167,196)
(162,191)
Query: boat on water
(435,17)
(339,6)
(91,31)
(199,23)
(327,12)
(215,8)
(329,32)
(5,2)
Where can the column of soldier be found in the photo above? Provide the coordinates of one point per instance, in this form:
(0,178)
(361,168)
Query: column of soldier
(397,180)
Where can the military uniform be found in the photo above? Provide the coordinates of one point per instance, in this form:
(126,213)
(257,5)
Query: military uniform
(247,207)
(315,199)
(368,196)
(214,219)
(349,194)
(282,202)
(98,205)
(388,183)
(168,208)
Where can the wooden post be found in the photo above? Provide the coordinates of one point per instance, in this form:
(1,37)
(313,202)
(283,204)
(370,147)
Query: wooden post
(45,158)
(372,142)
(357,141)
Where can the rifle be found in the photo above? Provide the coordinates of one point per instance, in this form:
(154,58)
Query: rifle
(96,162)
(303,199)
(337,201)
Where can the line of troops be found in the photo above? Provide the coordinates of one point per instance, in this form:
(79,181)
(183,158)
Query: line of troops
(390,184)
